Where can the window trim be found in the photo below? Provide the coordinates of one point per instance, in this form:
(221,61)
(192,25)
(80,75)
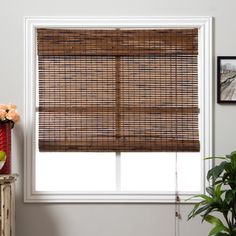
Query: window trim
(205,81)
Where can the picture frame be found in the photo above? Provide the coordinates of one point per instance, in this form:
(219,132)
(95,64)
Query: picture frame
(226,79)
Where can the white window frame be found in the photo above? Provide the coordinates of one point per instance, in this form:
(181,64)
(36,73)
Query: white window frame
(205,81)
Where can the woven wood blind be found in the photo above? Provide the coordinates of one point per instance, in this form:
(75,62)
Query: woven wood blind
(118,90)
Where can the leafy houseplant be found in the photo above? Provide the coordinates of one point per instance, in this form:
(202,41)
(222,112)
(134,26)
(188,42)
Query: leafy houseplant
(221,198)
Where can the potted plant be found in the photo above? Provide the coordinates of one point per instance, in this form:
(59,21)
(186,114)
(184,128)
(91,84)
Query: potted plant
(221,198)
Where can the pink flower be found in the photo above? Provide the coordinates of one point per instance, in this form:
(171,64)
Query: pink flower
(9,113)
(3,107)
(2,114)
(11,106)
(13,115)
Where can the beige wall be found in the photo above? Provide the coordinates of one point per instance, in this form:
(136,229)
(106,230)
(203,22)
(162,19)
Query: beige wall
(106,219)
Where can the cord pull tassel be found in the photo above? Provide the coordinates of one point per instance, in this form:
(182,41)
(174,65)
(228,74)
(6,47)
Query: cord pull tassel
(178,215)
(177,199)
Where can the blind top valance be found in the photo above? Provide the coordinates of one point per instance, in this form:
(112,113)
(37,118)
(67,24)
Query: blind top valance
(117,42)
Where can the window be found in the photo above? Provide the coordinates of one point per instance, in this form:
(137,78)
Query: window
(117,119)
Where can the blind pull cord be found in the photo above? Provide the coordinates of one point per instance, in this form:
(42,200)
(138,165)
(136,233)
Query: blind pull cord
(178,216)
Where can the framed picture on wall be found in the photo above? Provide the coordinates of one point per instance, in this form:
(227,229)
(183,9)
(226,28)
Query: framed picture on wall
(226,79)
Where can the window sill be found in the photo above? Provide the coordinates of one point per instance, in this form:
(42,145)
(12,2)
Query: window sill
(52,197)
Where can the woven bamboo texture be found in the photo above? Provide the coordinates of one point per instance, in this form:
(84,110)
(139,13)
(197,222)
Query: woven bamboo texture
(118,90)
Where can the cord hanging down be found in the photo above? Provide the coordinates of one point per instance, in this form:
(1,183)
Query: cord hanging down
(178,216)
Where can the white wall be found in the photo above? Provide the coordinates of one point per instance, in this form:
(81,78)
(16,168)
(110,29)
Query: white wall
(106,219)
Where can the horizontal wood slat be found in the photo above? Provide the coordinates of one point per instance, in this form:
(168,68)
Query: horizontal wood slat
(121,146)
(118,90)
(137,110)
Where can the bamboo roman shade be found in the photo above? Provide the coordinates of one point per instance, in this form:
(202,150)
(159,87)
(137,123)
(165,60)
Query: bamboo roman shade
(118,90)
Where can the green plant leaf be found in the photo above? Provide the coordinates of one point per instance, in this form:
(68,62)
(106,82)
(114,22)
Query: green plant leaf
(216,229)
(205,197)
(221,234)
(225,176)
(197,206)
(233,153)
(233,161)
(207,212)
(217,191)
(210,158)
(216,171)
(229,195)
(218,182)
(213,220)
(210,190)
(219,226)
(202,209)
(190,215)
